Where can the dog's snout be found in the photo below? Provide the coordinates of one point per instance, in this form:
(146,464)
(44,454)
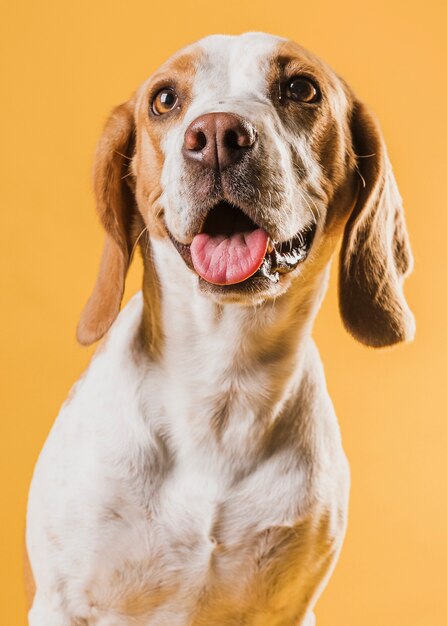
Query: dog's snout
(218,140)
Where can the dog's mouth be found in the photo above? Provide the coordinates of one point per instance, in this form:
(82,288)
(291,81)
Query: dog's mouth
(231,249)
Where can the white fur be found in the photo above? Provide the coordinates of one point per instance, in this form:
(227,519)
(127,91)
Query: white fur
(142,511)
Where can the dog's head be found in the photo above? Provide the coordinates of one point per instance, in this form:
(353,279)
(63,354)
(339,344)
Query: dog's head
(249,156)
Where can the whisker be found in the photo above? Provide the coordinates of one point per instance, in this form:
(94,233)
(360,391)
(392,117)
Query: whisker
(125,156)
(137,240)
(361,177)
(313,202)
(301,192)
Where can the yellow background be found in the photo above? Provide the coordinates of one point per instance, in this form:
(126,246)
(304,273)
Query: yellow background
(64,65)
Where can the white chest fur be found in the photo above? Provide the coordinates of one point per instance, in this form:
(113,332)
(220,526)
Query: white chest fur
(193,491)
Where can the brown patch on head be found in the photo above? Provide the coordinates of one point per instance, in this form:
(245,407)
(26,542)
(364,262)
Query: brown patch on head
(178,74)
(326,124)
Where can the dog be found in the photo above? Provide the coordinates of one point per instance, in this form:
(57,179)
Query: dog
(195,475)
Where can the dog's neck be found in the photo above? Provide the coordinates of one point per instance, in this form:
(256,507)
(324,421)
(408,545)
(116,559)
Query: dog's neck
(210,348)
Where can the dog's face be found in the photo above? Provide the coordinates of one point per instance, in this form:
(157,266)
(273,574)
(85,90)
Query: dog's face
(242,139)
(248,155)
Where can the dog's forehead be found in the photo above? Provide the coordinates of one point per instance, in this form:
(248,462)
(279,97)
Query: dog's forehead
(228,67)
(221,69)
(232,65)
(224,66)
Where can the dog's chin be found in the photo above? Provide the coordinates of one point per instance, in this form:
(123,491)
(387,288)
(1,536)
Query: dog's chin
(251,292)
(274,274)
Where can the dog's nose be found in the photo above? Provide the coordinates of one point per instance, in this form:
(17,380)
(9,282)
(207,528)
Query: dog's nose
(218,140)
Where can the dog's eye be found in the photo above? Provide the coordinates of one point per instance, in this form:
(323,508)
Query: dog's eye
(302,89)
(164,101)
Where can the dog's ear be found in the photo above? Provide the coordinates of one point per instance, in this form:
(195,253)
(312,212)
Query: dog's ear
(117,210)
(375,255)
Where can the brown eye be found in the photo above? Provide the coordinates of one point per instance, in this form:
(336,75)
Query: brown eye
(164,101)
(302,90)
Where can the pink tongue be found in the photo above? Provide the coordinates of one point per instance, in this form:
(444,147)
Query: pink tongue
(228,259)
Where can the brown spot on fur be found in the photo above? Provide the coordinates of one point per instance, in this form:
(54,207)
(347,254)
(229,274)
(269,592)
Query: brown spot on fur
(142,602)
(30,585)
(219,418)
(152,331)
(137,596)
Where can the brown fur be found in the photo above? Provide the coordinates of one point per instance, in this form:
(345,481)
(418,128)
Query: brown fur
(116,208)
(116,193)
(30,586)
(375,255)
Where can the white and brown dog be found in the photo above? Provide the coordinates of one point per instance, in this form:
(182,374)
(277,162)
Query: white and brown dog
(195,476)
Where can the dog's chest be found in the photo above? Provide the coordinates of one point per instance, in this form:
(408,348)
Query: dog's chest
(211,530)
(204,551)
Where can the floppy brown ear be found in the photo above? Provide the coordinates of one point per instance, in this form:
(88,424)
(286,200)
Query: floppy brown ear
(375,256)
(116,207)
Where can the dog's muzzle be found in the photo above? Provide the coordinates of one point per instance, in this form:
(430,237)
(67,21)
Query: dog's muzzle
(229,248)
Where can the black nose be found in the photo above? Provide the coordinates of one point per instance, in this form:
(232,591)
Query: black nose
(218,140)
